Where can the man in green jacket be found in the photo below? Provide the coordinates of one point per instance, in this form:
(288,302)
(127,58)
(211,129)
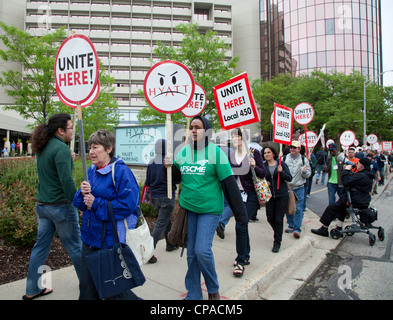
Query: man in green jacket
(56,189)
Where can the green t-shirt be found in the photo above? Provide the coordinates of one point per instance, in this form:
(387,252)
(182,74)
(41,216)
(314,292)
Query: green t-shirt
(333,172)
(201,174)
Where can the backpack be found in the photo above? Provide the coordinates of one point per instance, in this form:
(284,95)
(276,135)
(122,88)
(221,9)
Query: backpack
(320,157)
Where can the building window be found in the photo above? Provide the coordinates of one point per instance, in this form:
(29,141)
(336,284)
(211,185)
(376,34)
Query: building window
(201,14)
(330,26)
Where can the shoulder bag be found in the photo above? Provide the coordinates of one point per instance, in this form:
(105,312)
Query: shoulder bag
(114,270)
(291,205)
(139,239)
(261,187)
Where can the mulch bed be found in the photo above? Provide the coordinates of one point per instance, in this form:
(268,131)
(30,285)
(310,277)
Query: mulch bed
(14,260)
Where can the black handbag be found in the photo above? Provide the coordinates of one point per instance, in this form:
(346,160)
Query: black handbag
(114,270)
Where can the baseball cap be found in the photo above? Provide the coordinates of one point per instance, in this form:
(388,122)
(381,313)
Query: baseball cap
(296,144)
(332,146)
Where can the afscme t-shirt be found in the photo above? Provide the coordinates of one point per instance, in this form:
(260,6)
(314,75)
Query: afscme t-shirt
(201,174)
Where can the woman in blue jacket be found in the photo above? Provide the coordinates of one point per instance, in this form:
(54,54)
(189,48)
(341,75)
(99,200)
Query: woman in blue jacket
(93,198)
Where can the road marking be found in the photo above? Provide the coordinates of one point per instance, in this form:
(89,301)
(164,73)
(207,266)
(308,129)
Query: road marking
(319,191)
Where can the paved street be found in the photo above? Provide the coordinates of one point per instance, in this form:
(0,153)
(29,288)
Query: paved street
(355,270)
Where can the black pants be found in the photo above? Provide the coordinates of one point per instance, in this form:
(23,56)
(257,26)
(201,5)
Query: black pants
(336,210)
(275,211)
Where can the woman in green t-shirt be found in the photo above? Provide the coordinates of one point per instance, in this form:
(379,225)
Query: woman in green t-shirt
(206,176)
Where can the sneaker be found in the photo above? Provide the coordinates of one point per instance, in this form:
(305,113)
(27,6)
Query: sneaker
(322,231)
(316,181)
(220,231)
(296,234)
(288,230)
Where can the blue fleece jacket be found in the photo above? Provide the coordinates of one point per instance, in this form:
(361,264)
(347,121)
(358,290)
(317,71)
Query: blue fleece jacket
(125,201)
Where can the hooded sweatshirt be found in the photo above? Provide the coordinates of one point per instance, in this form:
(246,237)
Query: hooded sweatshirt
(155,176)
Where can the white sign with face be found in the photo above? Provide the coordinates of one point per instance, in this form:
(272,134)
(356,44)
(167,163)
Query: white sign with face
(347,138)
(169,86)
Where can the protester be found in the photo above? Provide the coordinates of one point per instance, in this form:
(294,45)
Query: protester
(300,170)
(205,176)
(376,171)
(321,156)
(383,166)
(256,142)
(275,208)
(93,199)
(56,189)
(334,167)
(359,185)
(352,158)
(222,142)
(241,163)
(157,181)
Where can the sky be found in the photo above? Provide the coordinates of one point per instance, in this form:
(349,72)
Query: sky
(387,40)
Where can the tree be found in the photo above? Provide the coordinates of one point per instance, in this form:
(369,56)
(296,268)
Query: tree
(205,56)
(337,100)
(34,90)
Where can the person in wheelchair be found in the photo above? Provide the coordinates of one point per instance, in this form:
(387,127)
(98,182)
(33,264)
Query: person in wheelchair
(359,186)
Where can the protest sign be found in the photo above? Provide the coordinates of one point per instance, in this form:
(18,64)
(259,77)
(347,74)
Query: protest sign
(283,124)
(197,104)
(372,138)
(169,87)
(347,138)
(387,145)
(304,114)
(76,77)
(235,103)
(76,71)
(312,139)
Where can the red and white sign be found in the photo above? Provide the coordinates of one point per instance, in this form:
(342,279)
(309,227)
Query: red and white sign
(235,103)
(197,104)
(77,71)
(303,113)
(312,139)
(372,138)
(169,86)
(347,138)
(387,145)
(283,124)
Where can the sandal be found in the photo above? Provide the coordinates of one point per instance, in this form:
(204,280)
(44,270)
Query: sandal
(239,270)
(40,294)
(246,263)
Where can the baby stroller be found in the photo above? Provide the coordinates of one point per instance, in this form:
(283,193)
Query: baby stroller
(362,222)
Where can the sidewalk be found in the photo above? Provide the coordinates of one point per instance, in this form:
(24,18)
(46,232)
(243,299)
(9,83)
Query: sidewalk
(270,276)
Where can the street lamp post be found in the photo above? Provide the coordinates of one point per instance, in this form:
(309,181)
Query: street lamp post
(365,85)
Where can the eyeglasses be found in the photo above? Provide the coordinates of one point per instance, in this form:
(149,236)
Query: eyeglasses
(292,147)
(71,128)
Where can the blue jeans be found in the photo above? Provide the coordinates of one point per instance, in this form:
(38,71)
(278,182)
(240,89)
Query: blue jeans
(333,188)
(319,171)
(64,220)
(226,214)
(295,221)
(242,237)
(164,207)
(200,259)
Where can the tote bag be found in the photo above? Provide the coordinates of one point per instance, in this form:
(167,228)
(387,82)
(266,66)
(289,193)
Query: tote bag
(261,187)
(291,205)
(139,239)
(114,270)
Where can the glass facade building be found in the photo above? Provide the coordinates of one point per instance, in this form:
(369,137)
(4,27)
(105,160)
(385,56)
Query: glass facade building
(298,36)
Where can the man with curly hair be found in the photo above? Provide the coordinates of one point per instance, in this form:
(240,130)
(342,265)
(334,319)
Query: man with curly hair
(56,190)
